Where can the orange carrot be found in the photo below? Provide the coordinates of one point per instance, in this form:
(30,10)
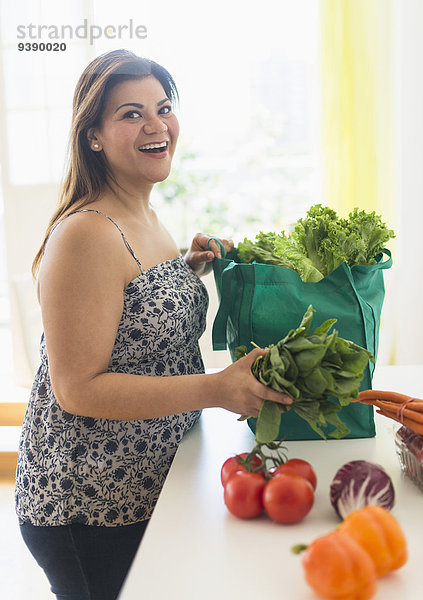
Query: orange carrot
(390,396)
(414,425)
(415,405)
(401,408)
(406,412)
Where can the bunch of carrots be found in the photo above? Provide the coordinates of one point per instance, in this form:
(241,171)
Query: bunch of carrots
(406,410)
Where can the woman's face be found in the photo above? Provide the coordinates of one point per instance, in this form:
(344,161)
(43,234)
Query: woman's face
(138,114)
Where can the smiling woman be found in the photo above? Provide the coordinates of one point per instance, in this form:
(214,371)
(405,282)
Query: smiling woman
(92,169)
(121,377)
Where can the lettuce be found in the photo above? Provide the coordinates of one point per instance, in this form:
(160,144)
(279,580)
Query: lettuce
(320,242)
(370,234)
(275,249)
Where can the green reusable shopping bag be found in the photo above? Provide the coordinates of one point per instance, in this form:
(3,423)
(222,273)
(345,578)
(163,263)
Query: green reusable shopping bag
(261,303)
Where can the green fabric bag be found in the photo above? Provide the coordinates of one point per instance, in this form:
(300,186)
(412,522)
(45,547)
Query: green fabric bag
(261,303)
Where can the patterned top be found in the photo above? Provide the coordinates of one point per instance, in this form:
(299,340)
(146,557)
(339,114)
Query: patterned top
(74,469)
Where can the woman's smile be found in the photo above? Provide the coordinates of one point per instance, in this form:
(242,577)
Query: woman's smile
(155,149)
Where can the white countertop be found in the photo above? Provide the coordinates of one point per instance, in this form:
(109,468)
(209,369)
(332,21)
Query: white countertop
(194,549)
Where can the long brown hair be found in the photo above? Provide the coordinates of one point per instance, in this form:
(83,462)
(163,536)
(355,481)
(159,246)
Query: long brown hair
(87,172)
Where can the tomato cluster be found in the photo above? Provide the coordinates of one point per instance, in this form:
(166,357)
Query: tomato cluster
(286,494)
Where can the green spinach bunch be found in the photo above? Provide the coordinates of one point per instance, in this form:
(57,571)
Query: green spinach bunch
(311,369)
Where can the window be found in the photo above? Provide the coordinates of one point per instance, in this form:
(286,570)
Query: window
(247,157)
(248,84)
(36,90)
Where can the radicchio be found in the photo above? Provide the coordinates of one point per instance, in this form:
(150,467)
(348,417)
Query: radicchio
(358,483)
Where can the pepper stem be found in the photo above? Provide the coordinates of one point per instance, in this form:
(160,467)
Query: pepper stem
(298,548)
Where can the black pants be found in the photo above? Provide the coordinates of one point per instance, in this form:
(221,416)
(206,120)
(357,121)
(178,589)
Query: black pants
(84,562)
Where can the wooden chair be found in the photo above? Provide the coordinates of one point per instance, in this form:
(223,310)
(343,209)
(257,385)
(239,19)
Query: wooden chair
(11,415)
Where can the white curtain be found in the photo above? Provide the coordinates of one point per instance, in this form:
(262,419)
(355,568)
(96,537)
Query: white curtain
(372,132)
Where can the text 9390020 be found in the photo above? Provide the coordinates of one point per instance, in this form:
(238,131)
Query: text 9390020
(42,46)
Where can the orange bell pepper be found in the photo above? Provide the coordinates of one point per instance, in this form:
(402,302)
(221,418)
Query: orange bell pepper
(380,534)
(338,568)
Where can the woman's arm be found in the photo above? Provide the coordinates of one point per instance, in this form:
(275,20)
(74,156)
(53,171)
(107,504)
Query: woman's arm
(82,278)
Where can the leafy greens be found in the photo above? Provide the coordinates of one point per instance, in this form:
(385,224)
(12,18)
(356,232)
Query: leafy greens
(310,369)
(320,242)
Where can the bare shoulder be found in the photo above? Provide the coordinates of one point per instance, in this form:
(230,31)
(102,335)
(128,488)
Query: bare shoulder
(83,242)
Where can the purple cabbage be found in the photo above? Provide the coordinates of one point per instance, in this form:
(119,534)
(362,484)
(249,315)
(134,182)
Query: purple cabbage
(358,483)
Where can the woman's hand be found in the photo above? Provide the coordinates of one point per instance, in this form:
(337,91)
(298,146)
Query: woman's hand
(240,392)
(199,257)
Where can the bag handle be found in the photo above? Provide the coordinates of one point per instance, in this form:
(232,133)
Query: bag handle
(222,247)
(387,264)
(227,296)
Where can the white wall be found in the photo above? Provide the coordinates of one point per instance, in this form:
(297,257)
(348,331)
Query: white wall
(409,260)
(212,359)
(27,211)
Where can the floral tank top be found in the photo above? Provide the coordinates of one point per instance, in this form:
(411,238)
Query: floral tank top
(74,469)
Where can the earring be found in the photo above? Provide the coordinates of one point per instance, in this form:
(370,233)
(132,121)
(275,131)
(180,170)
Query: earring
(96,146)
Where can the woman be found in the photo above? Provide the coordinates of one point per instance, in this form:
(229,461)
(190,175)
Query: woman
(121,376)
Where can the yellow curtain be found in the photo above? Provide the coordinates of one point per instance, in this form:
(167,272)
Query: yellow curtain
(357,132)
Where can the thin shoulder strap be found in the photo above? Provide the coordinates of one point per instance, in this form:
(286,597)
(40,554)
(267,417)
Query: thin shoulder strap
(114,223)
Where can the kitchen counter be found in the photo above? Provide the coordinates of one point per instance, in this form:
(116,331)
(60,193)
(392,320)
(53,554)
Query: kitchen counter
(194,549)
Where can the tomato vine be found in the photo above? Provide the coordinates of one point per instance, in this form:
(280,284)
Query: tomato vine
(270,455)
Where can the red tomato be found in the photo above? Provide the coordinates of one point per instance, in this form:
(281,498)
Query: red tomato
(244,494)
(288,498)
(297,465)
(231,466)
